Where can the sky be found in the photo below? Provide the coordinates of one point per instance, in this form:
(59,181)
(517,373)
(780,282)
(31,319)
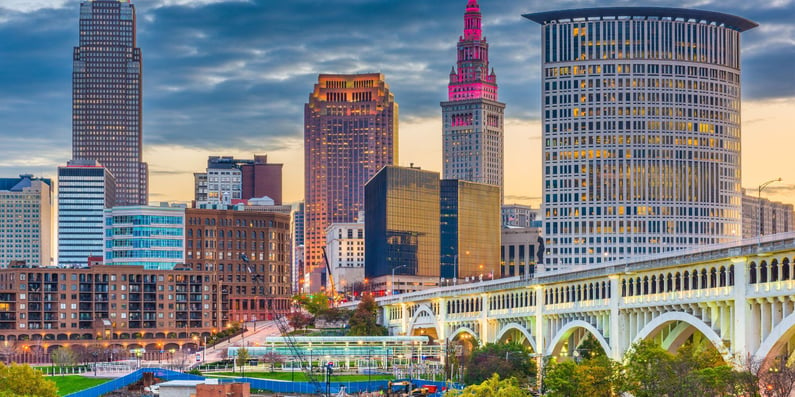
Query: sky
(231,77)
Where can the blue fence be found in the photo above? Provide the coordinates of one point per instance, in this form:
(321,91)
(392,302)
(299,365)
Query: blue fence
(131,378)
(280,386)
(275,386)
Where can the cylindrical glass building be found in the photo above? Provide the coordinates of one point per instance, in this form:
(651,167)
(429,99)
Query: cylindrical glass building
(641,119)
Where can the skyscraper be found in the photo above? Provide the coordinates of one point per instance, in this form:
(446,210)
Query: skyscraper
(641,131)
(350,132)
(107,95)
(85,190)
(472,117)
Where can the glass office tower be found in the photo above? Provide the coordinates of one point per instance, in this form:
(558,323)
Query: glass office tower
(470,229)
(402,222)
(85,190)
(152,237)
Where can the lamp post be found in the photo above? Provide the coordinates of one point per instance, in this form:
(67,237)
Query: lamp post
(393,276)
(759,201)
(369,370)
(455,269)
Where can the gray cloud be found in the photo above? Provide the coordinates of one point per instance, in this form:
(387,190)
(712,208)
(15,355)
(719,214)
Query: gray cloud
(233,73)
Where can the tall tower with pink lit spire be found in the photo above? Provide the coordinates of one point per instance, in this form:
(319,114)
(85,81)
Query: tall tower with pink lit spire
(472,116)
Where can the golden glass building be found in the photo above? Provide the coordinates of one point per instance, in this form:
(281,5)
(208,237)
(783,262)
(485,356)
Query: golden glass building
(416,224)
(402,223)
(470,229)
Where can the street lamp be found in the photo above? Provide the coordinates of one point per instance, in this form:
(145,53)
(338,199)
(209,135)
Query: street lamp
(393,276)
(759,201)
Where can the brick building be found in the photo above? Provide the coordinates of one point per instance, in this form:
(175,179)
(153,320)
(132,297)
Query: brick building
(237,269)
(250,253)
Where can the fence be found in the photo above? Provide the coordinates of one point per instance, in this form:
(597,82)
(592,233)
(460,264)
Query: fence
(133,377)
(274,386)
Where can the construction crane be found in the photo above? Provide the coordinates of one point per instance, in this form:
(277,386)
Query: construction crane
(284,329)
(332,293)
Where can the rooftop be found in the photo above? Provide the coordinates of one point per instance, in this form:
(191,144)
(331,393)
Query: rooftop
(730,21)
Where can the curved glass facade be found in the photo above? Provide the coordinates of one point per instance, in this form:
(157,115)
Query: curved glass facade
(641,118)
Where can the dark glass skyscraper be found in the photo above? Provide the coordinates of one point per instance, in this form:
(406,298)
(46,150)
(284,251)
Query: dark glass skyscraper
(106,96)
(469,229)
(350,132)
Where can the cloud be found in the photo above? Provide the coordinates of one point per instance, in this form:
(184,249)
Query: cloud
(236,74)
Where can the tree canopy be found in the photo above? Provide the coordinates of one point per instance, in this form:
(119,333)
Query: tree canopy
(363,320)
(18,380)
(493,386)
(507,359)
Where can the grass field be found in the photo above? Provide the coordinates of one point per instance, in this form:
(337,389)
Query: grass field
(72,383)
(300,376)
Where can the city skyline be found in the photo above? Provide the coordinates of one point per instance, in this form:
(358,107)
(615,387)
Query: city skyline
(218,88)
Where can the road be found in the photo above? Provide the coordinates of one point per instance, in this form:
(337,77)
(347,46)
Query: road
(256,334)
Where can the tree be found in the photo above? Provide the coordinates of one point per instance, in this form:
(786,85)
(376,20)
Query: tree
(590,348)
(299,320)
(242,357)
(600,376)
(492,387)
(779,378)
(273,358)
(21,380)
(562,379)
(507,359)
(63,357)
(363,320)
(648,370)
(315,304)
(8,350)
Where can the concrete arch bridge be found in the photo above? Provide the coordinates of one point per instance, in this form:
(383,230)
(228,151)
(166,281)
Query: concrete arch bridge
(739,297)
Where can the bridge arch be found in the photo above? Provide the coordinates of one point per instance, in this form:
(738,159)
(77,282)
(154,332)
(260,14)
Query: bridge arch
(464,330)
(564,333)
(682,331)
(520,329)
(424,318)
(778,336)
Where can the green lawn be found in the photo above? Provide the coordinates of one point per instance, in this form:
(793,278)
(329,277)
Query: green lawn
(71,383)
(301,376)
